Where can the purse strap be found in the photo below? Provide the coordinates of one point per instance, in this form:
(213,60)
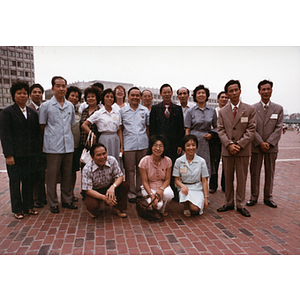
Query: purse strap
(148,196)
(90,139)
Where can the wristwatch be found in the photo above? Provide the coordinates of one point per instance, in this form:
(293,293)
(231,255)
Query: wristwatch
(114,185)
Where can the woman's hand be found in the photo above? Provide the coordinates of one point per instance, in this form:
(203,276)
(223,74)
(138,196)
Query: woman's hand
(10,160)
(205,203)
(184,190)
(208,136)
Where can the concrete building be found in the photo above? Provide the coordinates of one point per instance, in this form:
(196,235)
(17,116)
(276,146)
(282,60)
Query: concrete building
(16,63)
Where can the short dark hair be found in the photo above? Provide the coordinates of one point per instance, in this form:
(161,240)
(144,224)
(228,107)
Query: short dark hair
(134,88)
(163,86)
(96,145)
(265,82)
(183,87)
(198,88)
(147,91)
(231,82)
(155,138)
(220,94)
(18,85)
(73,89)
(99,85)
(188,137)
(122,87)
(36,85)
(92,90)
(57,77)
(105,92)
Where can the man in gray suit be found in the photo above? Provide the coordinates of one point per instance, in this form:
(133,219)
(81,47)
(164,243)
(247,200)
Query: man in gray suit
(265,143)
(236,129)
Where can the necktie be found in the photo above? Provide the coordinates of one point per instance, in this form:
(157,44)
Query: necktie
(167,113)
(234,111)
(266,109)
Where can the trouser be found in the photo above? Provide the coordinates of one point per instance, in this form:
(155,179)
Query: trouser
(132,172)
(238,165)
(92,204)
(39,191)
(59,164)
(22,173)
(255,169)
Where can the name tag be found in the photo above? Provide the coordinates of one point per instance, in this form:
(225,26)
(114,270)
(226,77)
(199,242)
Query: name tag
(183,170)
(115,118)
(274,116)
(244,119)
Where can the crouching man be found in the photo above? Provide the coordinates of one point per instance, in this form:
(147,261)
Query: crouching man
(102,179)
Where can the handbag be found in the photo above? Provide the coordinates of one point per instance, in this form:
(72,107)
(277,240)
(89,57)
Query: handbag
(146,211)
(85,155)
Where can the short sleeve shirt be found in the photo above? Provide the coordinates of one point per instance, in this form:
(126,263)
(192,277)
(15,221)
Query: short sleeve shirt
(106,121)
(58,137)
(94,177)
(135,127)
(190,173)
(156,173)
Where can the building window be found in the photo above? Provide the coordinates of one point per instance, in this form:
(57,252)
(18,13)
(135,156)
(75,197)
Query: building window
(11,53)
(5,72)
(13,63)
(26,74)
(13,72)
(3,52)
(20,64)
(4,62)
(21,73)
(6,81)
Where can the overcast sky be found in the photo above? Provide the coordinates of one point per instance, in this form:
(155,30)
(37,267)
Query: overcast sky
(179,66)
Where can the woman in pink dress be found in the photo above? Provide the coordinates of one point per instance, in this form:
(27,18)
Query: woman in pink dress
(155,170)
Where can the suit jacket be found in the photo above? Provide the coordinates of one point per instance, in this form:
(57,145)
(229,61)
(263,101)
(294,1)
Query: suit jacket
(269,127)
(239,130)
(172,128)
(33,107)
(20,137)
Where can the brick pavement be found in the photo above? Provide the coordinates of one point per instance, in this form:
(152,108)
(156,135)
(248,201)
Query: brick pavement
(268,231)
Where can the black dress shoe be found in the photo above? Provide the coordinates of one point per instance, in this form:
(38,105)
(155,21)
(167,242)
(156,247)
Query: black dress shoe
(54,209)
(212,191)
(75,199)
(132,200)
(270,203)
(251,202)
(225,208)
(69,205)
(38,205)
(244,212)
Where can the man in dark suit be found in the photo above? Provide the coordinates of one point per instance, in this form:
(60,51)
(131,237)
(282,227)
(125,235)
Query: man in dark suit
(20,138)
(236,129)
(39,193)
(265,143)
(166,119)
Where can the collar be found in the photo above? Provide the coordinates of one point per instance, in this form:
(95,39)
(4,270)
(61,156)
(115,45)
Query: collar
(36,106)
(237,106)
(195,160)
(197,107)
(263,104)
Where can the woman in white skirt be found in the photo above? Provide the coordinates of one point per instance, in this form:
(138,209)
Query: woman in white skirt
(190,172)
(108,122)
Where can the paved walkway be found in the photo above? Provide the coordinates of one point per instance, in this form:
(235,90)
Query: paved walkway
(267,231)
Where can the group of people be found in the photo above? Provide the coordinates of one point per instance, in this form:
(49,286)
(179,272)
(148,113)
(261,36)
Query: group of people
(166,151)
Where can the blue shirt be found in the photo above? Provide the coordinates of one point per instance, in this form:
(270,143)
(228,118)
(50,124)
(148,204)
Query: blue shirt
(135,127)
(58,137)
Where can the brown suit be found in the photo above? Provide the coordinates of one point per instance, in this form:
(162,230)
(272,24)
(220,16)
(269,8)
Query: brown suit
(239,130)
(268,129)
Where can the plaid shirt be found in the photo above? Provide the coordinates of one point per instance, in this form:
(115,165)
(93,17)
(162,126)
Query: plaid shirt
(94,177)
(84,116)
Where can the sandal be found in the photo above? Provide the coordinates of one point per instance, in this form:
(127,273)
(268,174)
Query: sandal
(93,216)
(32,212)
(187,212)
(19,216)
(165,214)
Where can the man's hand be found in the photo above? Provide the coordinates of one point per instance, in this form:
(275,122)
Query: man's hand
(234,149)
(10,160)
(110,197)
(264,146)
(208,136)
